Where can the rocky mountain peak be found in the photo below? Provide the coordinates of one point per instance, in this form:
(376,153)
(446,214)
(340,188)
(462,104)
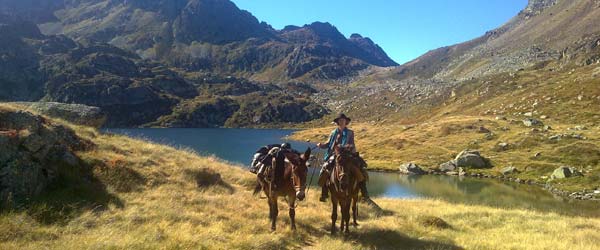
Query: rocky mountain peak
(536,7)
(216,21)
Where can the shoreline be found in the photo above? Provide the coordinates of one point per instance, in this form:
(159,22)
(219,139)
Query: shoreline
(585,195)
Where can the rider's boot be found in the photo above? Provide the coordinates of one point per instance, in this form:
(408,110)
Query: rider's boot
(363,190)
(324,194)
(323,183)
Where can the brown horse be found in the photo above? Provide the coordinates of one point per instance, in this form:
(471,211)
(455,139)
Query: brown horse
(292,186)
(343,186)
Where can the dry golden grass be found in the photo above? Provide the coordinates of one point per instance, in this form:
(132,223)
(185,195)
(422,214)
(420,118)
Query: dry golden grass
(158,203)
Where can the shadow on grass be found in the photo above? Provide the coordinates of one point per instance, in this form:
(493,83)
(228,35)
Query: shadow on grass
(75,191)
(374,238)
(387,239)
(205,178)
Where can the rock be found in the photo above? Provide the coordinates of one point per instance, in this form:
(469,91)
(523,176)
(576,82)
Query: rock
(547,127)
(509,170)
(528,114)
(502,118)
(461,172)
(484,130)
(32,152)
(544,117)
(537,155)
(565,172)
(530,122)
(503,146)
(448,166)
(411,169)
(472,159)
(74,113)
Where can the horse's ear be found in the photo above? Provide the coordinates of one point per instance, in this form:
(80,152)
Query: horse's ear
(306,155)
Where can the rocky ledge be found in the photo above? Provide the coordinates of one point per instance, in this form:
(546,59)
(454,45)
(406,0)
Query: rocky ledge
(33,151)
(75,113)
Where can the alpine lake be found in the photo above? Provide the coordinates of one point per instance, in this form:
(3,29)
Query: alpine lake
(237,146)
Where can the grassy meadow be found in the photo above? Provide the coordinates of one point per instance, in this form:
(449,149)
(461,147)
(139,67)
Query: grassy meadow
(141,195)
(483,114)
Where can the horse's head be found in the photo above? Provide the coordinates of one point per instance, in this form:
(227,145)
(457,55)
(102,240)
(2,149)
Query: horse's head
(299,172)
(344,159)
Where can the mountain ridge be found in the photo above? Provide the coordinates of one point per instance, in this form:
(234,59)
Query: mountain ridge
(210,36)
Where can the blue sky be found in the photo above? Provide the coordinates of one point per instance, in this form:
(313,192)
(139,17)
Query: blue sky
(405,29)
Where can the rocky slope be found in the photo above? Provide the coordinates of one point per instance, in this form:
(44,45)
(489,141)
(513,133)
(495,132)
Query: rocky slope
(210,36)
(546,30)
(132,91)
(34,153)
(547,36)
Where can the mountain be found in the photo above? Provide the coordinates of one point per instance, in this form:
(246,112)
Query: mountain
(546,30)
(547,39)
(131,90)
(207,36)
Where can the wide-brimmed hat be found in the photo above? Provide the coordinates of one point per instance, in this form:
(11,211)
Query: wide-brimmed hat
(342,116)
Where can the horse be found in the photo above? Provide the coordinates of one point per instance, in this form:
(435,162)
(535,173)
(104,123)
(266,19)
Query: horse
(292,185)
(343,186)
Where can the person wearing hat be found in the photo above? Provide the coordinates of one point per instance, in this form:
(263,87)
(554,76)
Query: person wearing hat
(341,136)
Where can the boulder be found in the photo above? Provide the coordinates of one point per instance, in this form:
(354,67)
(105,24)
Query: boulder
(509,170)
(503,146)
(411,169)
(530,122)
(471,159)
(448,166)
(32,151)
(565,172)
(74,113)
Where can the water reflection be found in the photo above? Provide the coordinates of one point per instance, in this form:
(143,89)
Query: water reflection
(479,192)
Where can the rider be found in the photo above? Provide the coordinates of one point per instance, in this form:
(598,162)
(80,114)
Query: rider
(343,137)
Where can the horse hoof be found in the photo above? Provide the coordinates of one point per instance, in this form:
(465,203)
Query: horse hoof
(356,225)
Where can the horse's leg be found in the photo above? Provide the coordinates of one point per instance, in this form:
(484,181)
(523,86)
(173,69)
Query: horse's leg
(355,208)
(345,215)
(334,215)
(274,211)
(292,204)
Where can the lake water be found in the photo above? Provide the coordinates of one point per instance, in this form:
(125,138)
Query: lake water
(238,145)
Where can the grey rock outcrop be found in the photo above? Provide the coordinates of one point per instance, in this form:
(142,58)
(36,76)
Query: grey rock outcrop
(411,169)
(565,172)
(509,170)
(471,159)
(32,151)
(74,113)
(448,166)
(530,122)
